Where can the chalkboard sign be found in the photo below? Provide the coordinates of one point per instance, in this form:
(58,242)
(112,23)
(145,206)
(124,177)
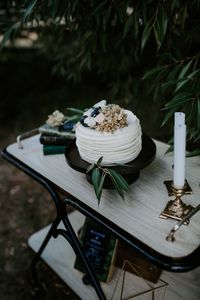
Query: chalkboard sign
(99,247)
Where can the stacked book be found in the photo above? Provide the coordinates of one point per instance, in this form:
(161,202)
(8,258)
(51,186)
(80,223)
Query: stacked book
(54,139)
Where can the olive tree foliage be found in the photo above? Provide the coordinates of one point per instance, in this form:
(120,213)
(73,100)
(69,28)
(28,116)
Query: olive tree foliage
(145,50)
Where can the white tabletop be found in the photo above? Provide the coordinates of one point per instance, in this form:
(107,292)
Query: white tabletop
(139,213)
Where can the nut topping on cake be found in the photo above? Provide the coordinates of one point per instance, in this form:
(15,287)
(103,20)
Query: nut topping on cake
(114,118)
(105,118)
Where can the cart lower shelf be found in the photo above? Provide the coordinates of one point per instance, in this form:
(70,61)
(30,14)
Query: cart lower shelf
(59,255)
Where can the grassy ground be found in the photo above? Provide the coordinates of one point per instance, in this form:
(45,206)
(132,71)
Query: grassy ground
(28,93)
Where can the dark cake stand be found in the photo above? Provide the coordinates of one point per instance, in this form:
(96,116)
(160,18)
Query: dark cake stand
(129,171)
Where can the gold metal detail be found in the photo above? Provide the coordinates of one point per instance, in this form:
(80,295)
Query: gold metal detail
(177,209)
(170,237)
(170,187)
(26,135)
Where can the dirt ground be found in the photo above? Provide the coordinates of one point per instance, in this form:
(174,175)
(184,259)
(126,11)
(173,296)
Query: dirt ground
(25,207)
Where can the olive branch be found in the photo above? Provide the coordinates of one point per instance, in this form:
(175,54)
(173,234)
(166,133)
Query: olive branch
(99,173)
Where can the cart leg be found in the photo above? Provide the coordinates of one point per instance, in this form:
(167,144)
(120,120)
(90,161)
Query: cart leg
(70,235)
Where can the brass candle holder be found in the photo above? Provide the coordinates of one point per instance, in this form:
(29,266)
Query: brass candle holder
(176,209)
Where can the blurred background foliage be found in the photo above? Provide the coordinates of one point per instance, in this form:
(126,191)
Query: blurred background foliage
(145,53)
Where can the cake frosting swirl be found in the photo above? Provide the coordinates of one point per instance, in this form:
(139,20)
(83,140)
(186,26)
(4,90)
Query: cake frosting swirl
(108,131)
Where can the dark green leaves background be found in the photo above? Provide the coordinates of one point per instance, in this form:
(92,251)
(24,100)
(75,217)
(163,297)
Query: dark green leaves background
(146,52)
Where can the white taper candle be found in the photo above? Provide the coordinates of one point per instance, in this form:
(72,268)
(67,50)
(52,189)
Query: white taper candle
(179,149)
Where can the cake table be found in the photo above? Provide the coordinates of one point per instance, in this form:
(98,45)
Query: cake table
(135,221)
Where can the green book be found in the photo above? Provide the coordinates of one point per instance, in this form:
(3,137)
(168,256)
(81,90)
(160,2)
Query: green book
(57,149)
(54,140)
(48,130)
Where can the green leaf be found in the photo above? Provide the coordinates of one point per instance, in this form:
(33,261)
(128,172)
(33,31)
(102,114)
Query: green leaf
(119,190)
(170,149)
(9,33)
(172,82)
(164,22)
(178,100)
(156,93)
(136,25)
(29,9)
(76,110)
(72,118)
(100,187)
(173,73)
(127,26)
(168,116)
(191,75)
(146,33)
(181,84)
(99,161)
(99,7)
(152,72)
(182,75)
(157,37)
(184,70)
(160,27)
(90,168)
(193,153)
(174,4)
(117,182)
(119,179)
(54,8)
(190,108)
(96,179)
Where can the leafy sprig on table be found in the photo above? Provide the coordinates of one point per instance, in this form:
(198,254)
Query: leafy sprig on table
(99,173)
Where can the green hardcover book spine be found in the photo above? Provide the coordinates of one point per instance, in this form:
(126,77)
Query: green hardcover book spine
(49,149)
(54,140)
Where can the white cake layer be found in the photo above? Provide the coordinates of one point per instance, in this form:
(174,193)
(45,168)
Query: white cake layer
(119,147)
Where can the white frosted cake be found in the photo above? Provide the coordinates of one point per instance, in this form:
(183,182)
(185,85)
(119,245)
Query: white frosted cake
(108,131)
